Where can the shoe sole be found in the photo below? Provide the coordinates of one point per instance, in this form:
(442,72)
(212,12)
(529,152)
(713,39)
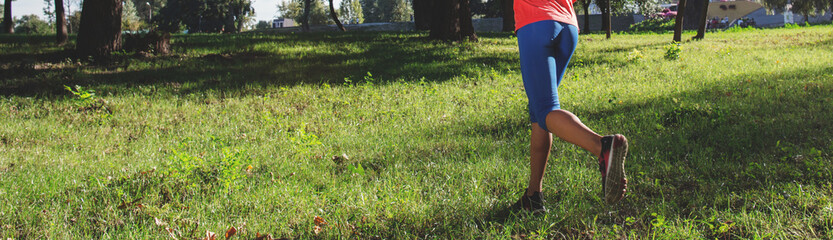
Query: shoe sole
(616,179)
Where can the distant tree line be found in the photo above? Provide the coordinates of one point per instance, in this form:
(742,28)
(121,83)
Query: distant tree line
(100,23)
(350,11)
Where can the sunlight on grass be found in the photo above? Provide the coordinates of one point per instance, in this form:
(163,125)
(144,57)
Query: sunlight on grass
(387,135)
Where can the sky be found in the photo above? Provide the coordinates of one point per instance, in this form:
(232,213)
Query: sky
(265,10)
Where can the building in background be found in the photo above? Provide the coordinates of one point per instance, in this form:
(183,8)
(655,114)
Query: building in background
(283,22)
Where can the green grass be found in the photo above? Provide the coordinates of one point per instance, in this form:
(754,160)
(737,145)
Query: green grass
(733,139)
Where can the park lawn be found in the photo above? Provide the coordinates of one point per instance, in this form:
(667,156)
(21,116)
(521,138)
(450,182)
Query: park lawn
(388,135)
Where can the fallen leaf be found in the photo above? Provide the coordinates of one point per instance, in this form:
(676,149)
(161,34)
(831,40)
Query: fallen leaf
(210,235)
(317,230)
(231,231)
(263,237)
(319,221)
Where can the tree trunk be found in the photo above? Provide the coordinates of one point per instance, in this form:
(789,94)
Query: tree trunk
(452,21)
(466,25)
(60,22)
(508,15)
(100,28)
(606,17)
(701,31)
(678,23)
(240,20)
(586,6)
(7,17)
(335,17)
(422,14)
(305,20)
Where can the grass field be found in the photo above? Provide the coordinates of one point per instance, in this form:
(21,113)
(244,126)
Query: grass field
(387,135)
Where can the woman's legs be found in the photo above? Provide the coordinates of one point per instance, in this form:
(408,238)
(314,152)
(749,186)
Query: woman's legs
(567,126)
(564,125)
(539,148)
(545,50)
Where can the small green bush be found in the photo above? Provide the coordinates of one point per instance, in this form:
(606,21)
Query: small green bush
(672,51)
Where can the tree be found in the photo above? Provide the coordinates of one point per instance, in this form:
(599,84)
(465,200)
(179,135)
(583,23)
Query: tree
(809,8)
(72,27)
(31,24)
(585,5)
(422,14)
(701,29)
(2,20)
(146,9)
(294,9)
(204,15)
(452,21)
(7,17)
(486,8)
(60,23)
(262,25)
(240,12)
(386,10)
(74,21)
(48,12)
(509,15)
(129,18)
(335,17)
(305,19)
(678,23)
(351,11)
(398,10)
(806,8)
(606,25)
(100,30)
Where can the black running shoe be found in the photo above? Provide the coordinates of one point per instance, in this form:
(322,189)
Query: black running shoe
(533,204)
(612,167)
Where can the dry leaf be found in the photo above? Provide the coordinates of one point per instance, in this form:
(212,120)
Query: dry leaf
(263,237)
(319,221)
(210,235)
(231,231)
(317,230)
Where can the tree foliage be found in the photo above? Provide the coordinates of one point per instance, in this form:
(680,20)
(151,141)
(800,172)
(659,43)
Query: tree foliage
(205,15)
(130,20)
(147,9)
(32,24)
(386,10)
(486,8)
(294,9)
(2,9)
(351,11)
(262,25)
(804,7)
(74,21)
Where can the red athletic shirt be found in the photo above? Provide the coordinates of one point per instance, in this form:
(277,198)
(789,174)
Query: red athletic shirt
(530,11)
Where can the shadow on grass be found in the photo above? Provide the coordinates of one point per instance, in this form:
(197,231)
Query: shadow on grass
(243,63)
